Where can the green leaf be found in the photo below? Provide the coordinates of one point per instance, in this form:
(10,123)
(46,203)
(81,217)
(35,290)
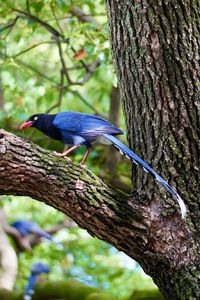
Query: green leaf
(37,5)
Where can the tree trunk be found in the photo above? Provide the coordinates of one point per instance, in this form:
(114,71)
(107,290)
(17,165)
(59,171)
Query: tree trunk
(113,157)
(156,50)
(164,246)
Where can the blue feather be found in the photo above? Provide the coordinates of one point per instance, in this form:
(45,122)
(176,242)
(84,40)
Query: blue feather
(74,128)
(36,270)
(28,227)
(123,149)
(30,287)
(85,125)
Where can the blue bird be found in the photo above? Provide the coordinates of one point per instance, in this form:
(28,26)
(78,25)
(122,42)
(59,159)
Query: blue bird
(27,227)
(75,129)
(36,270)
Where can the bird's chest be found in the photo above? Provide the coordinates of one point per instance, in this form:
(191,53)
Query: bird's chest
(68,138)
(52,132)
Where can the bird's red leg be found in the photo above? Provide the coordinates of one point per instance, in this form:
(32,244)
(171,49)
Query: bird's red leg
(64,154)
(85,156)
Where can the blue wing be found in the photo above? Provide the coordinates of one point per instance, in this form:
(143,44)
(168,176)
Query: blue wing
(85,125)
(34,228)
(28,227)
(36,269)
(30,287)
(39,268)
(21,226)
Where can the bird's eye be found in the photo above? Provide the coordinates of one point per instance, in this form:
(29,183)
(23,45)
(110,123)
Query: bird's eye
(35,118)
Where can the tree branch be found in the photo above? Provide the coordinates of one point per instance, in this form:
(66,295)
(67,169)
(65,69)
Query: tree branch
(58,36)
(32,47)
(126,222)
(9,25)
(113,158)
(52,5)
(58,103)
(77,12)
(27,15)
(27,243)
(33,69)
(35,240)
(87,103)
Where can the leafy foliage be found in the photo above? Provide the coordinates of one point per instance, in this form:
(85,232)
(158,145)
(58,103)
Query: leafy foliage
(39,45)
(30,60)
(85,258)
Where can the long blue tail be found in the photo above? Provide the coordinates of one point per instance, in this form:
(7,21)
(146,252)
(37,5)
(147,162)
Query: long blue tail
(30,287)
(42,233)
(124,150)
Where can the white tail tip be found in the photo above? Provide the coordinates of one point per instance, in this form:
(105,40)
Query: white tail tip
(182,206)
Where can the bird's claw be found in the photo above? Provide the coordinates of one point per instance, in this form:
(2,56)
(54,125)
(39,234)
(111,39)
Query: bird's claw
(82,165)
(61,155)
(57,153)
(67,158)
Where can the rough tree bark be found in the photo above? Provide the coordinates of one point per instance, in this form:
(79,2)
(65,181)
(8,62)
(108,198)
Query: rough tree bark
(156,50)
(113,158)
(128,223)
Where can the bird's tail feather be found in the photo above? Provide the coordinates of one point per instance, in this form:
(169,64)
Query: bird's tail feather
(42,233)
(124,150)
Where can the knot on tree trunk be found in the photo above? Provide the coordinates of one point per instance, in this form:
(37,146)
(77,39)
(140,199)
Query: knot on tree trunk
(138,229)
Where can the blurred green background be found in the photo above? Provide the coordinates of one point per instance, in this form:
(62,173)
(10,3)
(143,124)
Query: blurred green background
(84,257)
(34,79)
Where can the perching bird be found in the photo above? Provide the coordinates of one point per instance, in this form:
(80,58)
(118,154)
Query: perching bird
(27,227)
(36,270)
(75,129)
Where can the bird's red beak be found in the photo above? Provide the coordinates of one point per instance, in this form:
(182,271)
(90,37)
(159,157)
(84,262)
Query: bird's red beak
(26,125)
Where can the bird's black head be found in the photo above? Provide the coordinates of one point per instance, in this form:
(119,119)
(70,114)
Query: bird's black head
(36,121)
(44,123)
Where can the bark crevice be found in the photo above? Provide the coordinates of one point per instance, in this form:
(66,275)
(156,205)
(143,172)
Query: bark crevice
(156,48)
(127,222)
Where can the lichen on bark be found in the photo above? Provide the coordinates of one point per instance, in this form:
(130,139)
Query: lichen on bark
(126,221)
(156,53)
